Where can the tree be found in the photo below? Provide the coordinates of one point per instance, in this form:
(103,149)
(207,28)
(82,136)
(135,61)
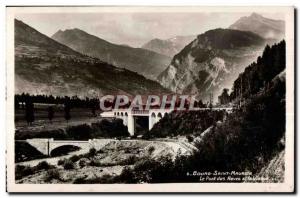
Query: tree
(67,111)
(224,98)
(93,107)
(50,113)
(17,104)
(94,111)
(210,106)
(29,112)
(201,104)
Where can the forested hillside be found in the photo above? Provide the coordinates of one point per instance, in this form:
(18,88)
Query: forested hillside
(260,73)
(185,123)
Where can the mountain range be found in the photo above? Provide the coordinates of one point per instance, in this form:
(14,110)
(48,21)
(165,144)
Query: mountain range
(145,62)
(45,66)
(76,62)
(215,58)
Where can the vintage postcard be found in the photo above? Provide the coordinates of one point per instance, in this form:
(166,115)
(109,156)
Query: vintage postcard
(150,99)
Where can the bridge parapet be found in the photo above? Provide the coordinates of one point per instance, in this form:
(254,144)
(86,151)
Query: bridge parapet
(140,112)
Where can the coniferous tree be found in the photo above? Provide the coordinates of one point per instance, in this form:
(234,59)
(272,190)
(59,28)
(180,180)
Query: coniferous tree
(29,112)
(50,113)
(67,110)
(94,110)
(17,104)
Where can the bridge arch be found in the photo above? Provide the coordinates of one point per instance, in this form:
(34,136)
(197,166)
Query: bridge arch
(73,144)
(122,114)
(159,115)
(63,150)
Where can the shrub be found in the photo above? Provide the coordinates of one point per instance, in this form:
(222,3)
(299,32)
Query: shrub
(79,180)
(101,151)
(61,162)
(83,162)
(56,134)
(92,152)
(22,171)
(105,179)
(43,166)
(130,160)
(95,163)
(190,138)
(52,174)
(68,165)
(151,149)
(146,170)
(127,176)
(74,158)
(127,150)
(109,129)
(80,132)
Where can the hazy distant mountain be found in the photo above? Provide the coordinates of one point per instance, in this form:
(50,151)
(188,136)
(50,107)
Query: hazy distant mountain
(145,62)
(168,47)
(165,47)
(267,28)
(44,66)
(211,62)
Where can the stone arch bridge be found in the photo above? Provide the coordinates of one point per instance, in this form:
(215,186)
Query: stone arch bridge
(128,116)
(46,146)
(154,115)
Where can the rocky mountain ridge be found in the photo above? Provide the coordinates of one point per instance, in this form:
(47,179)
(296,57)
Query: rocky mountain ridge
(211,62)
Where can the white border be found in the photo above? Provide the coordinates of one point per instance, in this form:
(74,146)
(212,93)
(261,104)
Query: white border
(287,186)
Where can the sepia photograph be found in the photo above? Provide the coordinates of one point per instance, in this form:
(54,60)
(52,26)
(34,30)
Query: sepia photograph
(150,99)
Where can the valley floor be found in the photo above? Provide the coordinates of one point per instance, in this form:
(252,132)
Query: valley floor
(111,159)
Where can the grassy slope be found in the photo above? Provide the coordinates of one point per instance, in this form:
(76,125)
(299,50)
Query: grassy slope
(46,66)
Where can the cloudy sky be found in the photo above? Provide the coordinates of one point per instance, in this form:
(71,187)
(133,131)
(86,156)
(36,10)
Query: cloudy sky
(134,29)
